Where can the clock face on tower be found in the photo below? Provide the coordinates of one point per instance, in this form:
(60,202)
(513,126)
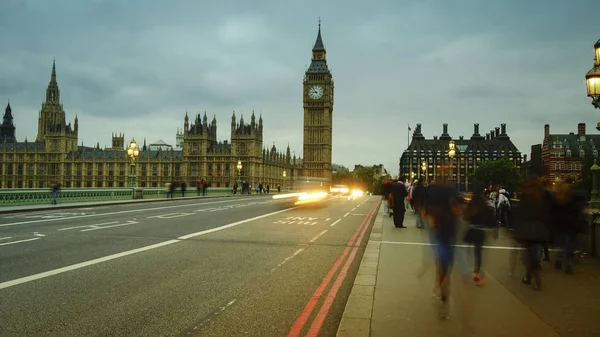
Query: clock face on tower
(315,92)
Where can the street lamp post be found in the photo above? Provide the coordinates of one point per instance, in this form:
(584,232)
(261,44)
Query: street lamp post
(451,153)
(239,168)
(424,174)
(284,175)
(133,151)
(592,80)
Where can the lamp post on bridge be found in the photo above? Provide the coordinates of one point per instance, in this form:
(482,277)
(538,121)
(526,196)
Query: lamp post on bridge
(451,153)
(424,174)
(239,168)
(284,175)
(592,81)
(133,151)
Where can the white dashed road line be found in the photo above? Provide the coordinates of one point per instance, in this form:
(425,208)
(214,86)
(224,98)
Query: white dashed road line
(318,236)
(333,224)
(13,242)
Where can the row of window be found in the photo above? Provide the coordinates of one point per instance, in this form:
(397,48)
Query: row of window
(565,166)
(559,154)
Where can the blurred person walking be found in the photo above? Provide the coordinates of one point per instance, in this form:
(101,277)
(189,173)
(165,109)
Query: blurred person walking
(531,229)
(567,220)
(442,207)
(480,217)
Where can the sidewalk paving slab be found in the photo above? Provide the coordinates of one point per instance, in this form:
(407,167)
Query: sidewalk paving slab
(396,302)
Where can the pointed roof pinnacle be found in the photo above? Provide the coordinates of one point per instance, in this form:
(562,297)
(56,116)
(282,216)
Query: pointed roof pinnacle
(53,76)
(319,43)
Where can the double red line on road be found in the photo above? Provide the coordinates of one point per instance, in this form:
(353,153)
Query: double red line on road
(353,245)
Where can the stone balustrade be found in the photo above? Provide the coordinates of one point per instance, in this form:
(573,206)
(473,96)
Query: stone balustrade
(32,196)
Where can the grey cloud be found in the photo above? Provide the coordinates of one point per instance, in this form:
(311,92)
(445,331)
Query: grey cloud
(394,64)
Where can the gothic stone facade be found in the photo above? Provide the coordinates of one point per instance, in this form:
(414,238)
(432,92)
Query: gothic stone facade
(318,115)
(470,153)
(55,155)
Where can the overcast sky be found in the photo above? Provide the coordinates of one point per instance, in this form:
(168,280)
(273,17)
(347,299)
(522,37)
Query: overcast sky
(137,66)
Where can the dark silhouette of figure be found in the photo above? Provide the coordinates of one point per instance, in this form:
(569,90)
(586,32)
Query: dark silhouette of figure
(399,193)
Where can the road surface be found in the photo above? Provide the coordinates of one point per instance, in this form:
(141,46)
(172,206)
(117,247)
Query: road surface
(235,266)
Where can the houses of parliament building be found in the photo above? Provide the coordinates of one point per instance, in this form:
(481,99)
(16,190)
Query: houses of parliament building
(56,157)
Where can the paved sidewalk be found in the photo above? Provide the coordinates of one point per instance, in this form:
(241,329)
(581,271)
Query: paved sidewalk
(388,299)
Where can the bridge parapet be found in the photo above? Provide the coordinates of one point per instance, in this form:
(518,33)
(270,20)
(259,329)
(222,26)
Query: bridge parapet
(32,196)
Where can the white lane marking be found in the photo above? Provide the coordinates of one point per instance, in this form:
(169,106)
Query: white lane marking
(171,215)
(358,214)
(208,319)
(327,219)
(336,221)
(126,253)
(287,259)
(345,215)
(318,236)
(204,232)
(110,226)
(13,242)
(353,209)
(81,265)
(118,212)
(158,216)
(6,238)
(100,224)
(461,246)
(38,234)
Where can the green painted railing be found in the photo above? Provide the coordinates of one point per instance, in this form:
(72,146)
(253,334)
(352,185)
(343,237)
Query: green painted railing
(32,196)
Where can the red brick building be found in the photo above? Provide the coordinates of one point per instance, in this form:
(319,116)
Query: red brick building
(563,154)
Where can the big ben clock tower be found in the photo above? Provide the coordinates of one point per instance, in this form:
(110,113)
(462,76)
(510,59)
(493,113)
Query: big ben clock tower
(318,109)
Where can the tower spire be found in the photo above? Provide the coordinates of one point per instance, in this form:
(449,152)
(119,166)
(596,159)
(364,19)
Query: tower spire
(52,92)
(53,77)
(319,43)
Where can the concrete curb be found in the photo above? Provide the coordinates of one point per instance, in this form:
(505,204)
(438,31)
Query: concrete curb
(356,319)
(34,208)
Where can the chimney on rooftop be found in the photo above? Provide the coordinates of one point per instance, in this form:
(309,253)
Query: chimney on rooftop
(476,128)
(487,136)
(503,129)
(497,132)
(492,134)
(546,130)
(581,129)
(445,129)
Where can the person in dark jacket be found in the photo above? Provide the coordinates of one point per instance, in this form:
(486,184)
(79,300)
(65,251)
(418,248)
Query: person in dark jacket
(399,193)
(386,189)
